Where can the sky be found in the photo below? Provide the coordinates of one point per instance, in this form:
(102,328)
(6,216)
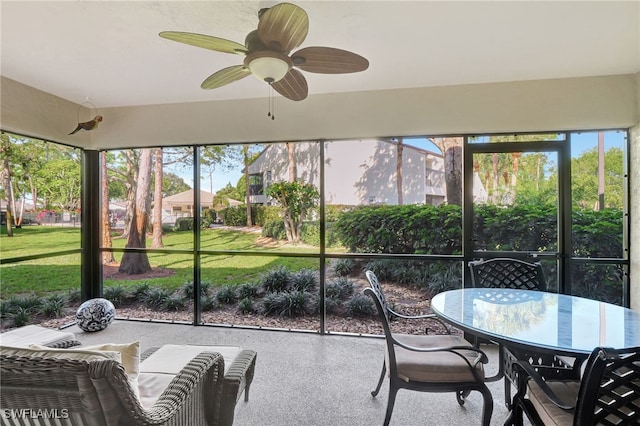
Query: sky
(580,142)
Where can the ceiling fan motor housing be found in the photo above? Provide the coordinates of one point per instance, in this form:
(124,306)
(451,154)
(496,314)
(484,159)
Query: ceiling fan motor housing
(268,65)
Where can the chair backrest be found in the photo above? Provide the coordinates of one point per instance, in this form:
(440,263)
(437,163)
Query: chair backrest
(74,392)
(373,281)
(610,389)
(507,273)
(375,292)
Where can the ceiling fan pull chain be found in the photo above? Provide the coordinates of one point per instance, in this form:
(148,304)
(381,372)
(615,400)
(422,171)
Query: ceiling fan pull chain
(271,112)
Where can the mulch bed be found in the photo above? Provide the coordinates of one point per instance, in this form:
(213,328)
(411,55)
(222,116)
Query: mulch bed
(404,299)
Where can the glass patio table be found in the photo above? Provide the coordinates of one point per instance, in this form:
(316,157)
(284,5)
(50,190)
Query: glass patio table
(554,332)
(538,321)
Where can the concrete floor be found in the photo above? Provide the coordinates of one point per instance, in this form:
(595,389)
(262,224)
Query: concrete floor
(308,379)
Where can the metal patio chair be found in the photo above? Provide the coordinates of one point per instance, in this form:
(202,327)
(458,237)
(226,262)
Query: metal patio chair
(429,363)
(521,275)
(608,393)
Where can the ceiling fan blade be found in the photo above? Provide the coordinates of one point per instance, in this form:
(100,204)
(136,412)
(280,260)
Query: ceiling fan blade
(225,76)
(283,27)
(208,42)
(328,60)
(293,86)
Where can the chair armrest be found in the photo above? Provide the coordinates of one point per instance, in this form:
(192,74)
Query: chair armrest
(420,317)
(525,371)
(480,358)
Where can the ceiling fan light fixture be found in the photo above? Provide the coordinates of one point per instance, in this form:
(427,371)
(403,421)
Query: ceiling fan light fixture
(268,66)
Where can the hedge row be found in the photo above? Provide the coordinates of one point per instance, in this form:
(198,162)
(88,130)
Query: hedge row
(438,229)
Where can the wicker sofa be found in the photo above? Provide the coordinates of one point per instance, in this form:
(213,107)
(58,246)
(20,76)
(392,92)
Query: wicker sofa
(93,388)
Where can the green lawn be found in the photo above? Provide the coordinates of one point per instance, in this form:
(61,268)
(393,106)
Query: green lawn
(62,273)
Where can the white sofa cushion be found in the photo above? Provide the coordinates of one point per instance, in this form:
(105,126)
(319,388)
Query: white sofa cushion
(157,371)
(128,355)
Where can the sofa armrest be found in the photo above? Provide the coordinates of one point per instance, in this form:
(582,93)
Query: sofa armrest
(192,397)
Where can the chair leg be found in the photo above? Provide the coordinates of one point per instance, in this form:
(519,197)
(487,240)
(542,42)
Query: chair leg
(461,396)
(487,408)
(507,392)
(390,403)
(384,370)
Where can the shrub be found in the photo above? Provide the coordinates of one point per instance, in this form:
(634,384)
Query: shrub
(296,303)
(208,303)
(187,289)
(183,224)
(155,298)
(361,306)
(275,280)
(29,303)
(304,280)
(116,294)
(343,267)
(5,308)
(246,305)
(447,277)
(339,288)
(265,214)
(140,291)
(74,296)
(287,303)
(21,316)
(383,268)
(53,306)
(273,303)
(408,273)
(247,290)
(234,216)
(274,229)
(227,294)
(173,303)
(331,305)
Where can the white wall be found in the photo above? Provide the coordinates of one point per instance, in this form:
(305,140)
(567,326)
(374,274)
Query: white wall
(562,104)
(355,170)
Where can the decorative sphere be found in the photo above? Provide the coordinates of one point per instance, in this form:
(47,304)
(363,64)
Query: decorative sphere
(95,314)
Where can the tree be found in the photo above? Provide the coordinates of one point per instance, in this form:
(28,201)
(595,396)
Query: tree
(172,183)
(60,184)
(293,170)
(107,256)
(157,202)
(584,171)
(137,262)
(400,147)
(296,200)
(233,192)
(5,152)
(247,194)
(452,150)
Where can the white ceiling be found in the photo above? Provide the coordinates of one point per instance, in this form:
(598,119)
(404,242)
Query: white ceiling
(109,52)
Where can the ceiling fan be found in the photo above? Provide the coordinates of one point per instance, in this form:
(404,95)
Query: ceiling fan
(268,56)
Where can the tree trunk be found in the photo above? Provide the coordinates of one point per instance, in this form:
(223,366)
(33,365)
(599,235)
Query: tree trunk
(496,180)
(157,202)
(138,262)
(399,171)
(247,191)
(452,151)
(6,181)
(516,168)
(131,176)
(107,256)
(293,171)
